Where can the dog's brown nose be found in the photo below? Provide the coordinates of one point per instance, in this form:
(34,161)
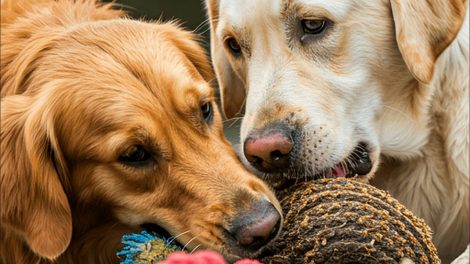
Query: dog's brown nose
(257,228)
(269,152)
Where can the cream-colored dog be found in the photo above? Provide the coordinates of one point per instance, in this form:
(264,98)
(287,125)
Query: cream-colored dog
(354,89)
(109,126)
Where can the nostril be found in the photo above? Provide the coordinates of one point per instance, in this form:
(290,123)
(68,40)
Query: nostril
(276,155)
(255,159)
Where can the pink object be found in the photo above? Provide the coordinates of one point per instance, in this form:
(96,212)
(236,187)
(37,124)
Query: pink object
(202,257)
(248,261)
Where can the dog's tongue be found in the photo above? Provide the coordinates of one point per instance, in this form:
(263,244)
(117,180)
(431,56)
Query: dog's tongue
(338,171)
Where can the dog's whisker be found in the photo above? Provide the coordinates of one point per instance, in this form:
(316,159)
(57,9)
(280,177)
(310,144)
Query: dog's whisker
(351,161)
(233,119)
(172,239)
(241,106)
(191,240)
(344,166)
(205,31)
(348,163)
(195,248)
(399,112)
(202,24)
(296,178)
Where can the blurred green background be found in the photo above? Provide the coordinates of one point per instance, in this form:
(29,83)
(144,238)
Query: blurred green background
(191,13)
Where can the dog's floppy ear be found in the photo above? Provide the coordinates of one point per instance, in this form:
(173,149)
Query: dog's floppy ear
(424,29)
(232,89)
(187,43)
(32,197)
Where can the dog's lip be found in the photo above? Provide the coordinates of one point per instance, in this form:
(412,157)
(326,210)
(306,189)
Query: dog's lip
(283,180)
(357,164)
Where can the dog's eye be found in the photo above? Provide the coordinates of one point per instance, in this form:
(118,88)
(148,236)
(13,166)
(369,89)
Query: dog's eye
(233,46)
(206,110)
(136,156)
(313,27)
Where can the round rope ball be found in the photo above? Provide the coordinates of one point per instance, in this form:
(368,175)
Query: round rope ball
(346,221)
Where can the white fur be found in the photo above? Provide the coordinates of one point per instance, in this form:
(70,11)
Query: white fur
(423,144)
(335,8)
(464,258)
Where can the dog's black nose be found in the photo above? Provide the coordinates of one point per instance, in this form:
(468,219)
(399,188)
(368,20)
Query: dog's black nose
(257,228)
(268,150)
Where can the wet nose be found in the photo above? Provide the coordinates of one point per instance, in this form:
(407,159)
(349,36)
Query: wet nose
(257,228)
(269,150)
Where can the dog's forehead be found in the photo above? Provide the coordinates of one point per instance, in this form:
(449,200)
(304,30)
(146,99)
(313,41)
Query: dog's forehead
(245,7)
(237,13)
(338,8)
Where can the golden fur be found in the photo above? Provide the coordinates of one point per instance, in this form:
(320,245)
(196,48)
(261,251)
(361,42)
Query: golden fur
(82,86)
(392,73)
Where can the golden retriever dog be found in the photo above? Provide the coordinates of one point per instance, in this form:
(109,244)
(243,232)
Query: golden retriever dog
(354,89)
(109,124)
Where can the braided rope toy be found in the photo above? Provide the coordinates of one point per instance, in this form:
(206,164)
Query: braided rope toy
(346,221)
(145,248)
